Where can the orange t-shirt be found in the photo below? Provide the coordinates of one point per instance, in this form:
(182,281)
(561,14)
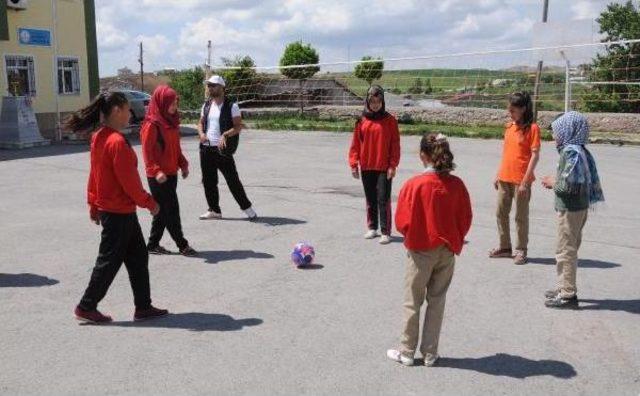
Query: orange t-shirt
(517,151)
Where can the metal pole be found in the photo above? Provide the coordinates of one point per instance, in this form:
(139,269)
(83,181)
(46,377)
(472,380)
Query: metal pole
(567,85)
(536,89)
(54,12)
(208,67)
(141,60)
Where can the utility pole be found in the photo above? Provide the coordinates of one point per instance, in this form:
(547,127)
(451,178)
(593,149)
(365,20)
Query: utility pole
(141,60)
(536,89)
(208,65)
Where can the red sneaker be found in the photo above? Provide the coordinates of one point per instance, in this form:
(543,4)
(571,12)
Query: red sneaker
(149,313)
(93,317)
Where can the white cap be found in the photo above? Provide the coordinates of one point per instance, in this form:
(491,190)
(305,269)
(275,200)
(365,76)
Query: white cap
(215,79)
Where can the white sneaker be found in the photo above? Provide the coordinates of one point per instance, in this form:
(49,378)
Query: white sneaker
(210,215)
(430,360)
(371,234)
(385,239)
(251,214)
(396,356)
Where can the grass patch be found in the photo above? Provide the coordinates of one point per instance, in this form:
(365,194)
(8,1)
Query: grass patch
(306,123)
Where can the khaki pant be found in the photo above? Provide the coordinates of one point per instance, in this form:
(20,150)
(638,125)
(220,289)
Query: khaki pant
(506,194)
(570,225)
(428,273)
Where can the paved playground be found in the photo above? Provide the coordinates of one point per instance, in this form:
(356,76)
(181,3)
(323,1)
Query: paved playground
(245,321)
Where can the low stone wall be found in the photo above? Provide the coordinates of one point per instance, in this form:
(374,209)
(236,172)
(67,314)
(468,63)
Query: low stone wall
(605,122)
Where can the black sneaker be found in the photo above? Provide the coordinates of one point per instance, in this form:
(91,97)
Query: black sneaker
(188,251)
(551,294)
(562,303)
(158,250)
(149,313)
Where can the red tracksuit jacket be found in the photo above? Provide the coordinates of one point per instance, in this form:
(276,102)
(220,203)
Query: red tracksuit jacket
(375,144)
(434,209)
(156,158)
(114,183)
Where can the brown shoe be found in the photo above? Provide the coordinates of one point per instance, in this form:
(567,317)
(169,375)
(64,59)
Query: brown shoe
(500,253)
(520,257)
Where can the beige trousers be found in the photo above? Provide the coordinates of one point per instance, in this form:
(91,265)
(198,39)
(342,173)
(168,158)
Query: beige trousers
(428,274)
(570,225)
(507,192)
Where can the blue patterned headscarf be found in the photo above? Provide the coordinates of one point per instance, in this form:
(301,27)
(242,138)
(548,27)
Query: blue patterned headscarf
(571,128)
(571,131)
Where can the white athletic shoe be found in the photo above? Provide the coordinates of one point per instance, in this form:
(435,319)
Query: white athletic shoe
(385,239)
(430,360)
(398,357)
(210,215)
(371,234)
(251,214)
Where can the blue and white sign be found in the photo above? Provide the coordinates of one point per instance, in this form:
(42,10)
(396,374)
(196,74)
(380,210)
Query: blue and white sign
(37,37)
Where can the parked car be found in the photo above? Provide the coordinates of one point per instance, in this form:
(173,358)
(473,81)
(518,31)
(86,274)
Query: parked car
(138,101)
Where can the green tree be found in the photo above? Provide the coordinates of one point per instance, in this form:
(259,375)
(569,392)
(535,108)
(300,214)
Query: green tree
(190,87)
(296,54)
(241,81)
(370,69)
(620,63)
(416,88)
(428,89)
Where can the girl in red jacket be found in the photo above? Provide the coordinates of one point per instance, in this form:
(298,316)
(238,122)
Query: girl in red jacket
(113,192)
(375,154)
(434,215)
(160,135)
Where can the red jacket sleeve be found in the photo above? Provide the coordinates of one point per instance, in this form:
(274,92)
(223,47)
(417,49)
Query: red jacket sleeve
(465,215)
(125,167)
(354,150)
(182,160)
(149,138)
(394,158)
(404,209)
(92,189)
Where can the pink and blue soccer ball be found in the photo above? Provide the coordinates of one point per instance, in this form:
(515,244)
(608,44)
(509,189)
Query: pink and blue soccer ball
(303,254)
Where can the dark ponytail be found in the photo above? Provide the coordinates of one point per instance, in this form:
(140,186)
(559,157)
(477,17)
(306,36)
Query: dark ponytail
(89,117)
(437,148)
(523,99)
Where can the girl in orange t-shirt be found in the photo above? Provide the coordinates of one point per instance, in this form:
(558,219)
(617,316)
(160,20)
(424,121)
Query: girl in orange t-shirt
(520,156)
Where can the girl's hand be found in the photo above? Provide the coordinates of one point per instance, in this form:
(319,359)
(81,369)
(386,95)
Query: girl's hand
(391,173)
(185,173)
(161,177)
(523,188)
(203,138)
(548,182)
(355,173)
(496,183)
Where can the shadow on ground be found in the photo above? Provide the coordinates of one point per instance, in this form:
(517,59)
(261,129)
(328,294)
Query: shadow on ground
(26,280)
(194,321)
(505,365)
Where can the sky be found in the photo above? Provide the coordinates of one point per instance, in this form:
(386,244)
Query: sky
(175,32)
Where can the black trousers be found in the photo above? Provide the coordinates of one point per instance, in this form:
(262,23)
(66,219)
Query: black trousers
(169,215)
(377,190)
(211,160)
(122,241)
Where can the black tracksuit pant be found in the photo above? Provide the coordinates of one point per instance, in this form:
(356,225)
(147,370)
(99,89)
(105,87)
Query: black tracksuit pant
(377,190)
(211,160)
(169,215)
(122,241)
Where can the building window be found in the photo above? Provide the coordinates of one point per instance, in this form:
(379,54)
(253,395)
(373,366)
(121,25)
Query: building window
(21,76)
(68,76)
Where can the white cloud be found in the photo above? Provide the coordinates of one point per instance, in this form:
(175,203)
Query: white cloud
(175,32)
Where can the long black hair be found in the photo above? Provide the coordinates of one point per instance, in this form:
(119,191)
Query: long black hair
(89,117)
(523,99)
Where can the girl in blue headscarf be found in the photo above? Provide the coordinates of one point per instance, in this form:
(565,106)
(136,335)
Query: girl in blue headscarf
(577,187)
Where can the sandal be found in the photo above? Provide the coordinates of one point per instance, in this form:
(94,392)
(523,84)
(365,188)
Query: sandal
(158,250)
(500,253)
(520,257)
(188,251)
